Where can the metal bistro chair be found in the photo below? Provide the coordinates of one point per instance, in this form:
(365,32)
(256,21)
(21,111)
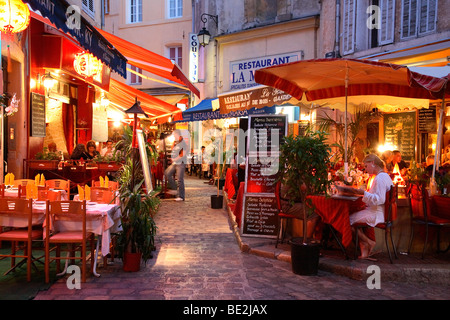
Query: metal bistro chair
(390,213)
(420,212)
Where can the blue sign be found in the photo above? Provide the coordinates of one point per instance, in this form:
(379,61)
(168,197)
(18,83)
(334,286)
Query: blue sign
(68,19)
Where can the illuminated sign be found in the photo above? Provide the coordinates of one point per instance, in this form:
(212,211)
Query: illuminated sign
(193,57)
(88,66)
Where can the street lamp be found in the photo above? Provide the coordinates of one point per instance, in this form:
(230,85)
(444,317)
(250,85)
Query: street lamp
(204,35)
(135,109)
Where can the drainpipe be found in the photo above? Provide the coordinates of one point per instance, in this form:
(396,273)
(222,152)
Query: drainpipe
(102,13)
(338,23)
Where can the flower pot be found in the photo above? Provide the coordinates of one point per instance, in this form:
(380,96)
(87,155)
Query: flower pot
(217,201)
(304,257)
(132,261)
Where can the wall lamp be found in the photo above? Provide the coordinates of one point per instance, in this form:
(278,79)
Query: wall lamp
(204,35)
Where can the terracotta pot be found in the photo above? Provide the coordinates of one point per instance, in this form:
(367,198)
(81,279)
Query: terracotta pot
(132,261)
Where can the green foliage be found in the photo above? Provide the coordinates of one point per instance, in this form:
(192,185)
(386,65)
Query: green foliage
(355,124)
(304,164)
(47,155)
(138,208)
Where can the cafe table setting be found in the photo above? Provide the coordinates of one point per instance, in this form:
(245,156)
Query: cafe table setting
(335,209)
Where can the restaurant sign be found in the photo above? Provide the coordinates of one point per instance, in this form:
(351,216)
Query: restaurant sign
(256,97)
(68,18)
(242,72)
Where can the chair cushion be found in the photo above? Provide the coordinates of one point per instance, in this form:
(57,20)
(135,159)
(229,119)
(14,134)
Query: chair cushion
(20,235)
(68,237)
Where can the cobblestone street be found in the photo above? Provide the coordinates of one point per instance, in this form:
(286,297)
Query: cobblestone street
(198,258)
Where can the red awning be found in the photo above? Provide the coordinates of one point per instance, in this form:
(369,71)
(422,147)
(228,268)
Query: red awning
(150,61)
(124,96)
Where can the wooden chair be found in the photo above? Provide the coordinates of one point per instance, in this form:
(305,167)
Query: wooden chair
(22,191)
(2,190)
(102,195)
(19,208)
(420,212)
(112,185)
(283,218)
(68,211)
(390,214)
(22,182)
(46,194)
(59,184)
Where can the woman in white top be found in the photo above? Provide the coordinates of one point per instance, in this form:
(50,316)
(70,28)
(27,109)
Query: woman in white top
(374,198)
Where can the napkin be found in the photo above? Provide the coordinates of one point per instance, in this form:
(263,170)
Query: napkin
(42,182)
(36,179)
(87,193)
(11,179)
(80,193)
(35,191)
(106,182)
(29,191)
(7,179)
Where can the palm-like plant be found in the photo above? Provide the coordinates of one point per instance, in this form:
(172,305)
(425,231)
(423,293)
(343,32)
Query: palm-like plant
(356,124)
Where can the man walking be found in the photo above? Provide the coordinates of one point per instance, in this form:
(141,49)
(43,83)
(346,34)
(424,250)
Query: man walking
(179,158)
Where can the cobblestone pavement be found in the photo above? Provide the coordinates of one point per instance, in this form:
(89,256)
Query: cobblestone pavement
(198,258)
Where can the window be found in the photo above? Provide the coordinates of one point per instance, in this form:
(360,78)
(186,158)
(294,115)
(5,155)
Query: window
(382,31)
(348,26)
(134,11)
(133,77)
(106,7)
(175,54)
(418,17)
(175,8)
(88,7)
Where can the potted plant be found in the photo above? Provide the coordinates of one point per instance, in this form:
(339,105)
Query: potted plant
(136,241)
(304,165)
(45,160)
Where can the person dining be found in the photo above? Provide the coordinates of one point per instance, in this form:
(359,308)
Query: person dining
(79,152)
(91,149)
(374,198)
(107,151)
(387,156)
(397,159)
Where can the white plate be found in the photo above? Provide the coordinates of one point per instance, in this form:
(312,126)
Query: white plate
(89,203)
(39,202)
(341,197)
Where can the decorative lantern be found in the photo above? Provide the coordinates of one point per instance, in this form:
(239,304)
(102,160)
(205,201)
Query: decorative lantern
(14,16)
(88,66)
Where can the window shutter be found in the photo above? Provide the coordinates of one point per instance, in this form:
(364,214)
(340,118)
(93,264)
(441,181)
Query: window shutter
(427,16)
(409,19)
(386,32)
(348,26)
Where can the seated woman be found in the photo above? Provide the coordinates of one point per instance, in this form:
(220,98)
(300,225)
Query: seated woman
(79,152)
(374,198)
(91,149)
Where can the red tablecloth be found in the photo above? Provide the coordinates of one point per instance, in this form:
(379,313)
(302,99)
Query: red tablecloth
(336,212)
(440,206)
(239,203)
(229,183)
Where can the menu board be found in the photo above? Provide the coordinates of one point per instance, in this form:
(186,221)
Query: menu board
(265,136)
(37,116)
(400,131)
(260,216)
(427,120)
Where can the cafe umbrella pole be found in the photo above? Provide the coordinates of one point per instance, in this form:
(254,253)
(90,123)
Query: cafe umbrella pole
(438,143)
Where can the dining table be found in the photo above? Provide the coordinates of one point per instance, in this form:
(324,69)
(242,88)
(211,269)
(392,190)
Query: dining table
(101,219)
(14,193)
(440,206)
(335,210)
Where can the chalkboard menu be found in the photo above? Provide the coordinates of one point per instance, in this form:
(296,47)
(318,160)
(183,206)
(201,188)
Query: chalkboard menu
(427,120)
(265,135)
(37,116)
(260,216)
(262,173)
(400,131)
